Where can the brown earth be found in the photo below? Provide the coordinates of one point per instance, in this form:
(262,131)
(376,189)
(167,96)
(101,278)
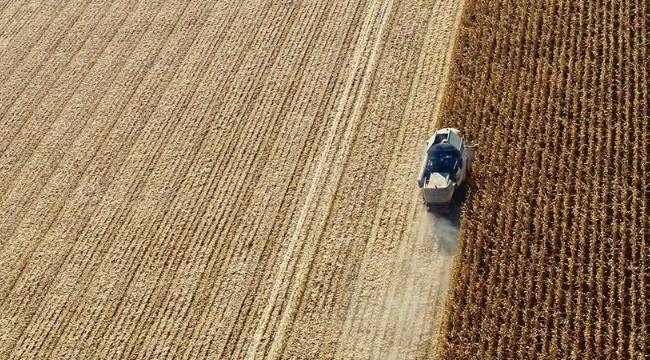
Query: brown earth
(229,179)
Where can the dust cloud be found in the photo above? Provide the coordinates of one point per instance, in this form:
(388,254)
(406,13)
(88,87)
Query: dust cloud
(421,286)
(446,234)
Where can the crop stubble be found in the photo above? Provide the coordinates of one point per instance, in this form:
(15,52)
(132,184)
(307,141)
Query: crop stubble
(177,178)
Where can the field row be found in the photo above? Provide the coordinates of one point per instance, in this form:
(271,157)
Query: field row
(555,258)
(177,178)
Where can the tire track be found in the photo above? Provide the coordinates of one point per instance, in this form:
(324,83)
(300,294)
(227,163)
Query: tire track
(254,301)
(269,167)
(201,235)
(253,137)
(413,239)
(301,268)
(202,150)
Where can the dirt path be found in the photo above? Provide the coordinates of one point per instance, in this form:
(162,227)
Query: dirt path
(403,273)
(231,179)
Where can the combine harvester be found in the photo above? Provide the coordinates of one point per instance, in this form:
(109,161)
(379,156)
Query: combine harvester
(446,166)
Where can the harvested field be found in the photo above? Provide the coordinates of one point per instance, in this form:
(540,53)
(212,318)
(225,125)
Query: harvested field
(225,179)
(555,256)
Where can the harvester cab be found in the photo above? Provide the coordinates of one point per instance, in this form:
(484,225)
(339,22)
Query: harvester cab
(445,167)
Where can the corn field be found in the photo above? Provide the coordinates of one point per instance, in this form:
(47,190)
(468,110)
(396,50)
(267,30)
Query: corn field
(555,259)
